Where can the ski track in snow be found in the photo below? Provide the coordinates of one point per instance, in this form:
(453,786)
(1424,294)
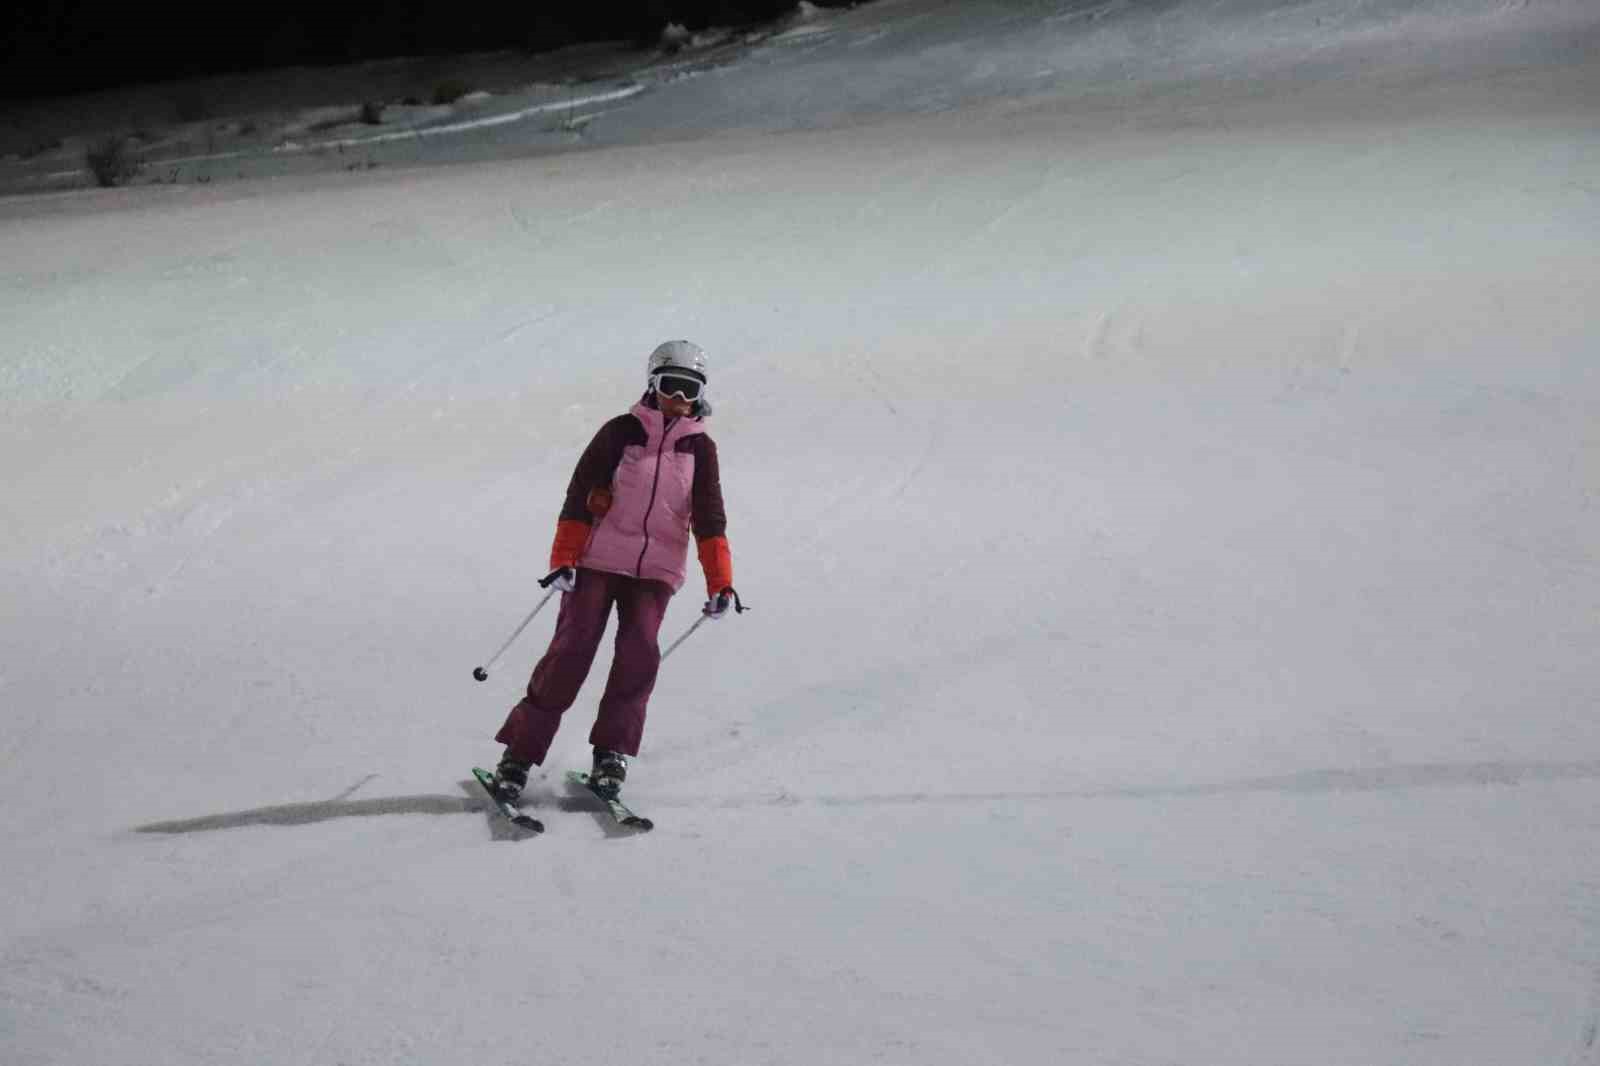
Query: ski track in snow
(1587,1052)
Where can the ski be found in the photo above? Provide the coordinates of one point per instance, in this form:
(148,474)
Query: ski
(618,809)
(506,807)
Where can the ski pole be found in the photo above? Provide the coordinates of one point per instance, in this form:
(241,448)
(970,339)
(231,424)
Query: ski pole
(702,620)
(698,623)
(482,672)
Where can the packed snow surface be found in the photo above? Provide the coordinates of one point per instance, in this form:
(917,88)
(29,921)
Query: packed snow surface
(1161,456)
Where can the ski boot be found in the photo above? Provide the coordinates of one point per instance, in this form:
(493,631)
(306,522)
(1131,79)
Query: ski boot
(610,770)
(510,778)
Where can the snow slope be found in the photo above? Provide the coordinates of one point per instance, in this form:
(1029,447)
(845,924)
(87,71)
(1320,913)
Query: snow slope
(1160,456)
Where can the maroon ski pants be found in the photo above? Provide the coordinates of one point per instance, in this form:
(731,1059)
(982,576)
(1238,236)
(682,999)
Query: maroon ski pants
(641,604)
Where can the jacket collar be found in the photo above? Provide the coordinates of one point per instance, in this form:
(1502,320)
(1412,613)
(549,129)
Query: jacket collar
(655,424)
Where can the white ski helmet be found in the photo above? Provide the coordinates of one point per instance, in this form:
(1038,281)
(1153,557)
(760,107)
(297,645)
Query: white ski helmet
(684,357)
(679,355)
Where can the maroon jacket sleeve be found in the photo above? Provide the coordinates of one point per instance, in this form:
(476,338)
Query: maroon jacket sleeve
(706,513)
(598,466)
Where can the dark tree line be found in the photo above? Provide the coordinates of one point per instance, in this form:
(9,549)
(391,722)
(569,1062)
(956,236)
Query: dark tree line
(52,47)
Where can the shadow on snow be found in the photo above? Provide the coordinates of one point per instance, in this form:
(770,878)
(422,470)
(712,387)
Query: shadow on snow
(327,810)
(1374,779)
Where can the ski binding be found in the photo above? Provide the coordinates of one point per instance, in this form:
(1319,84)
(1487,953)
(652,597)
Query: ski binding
(619,810)
(508,809)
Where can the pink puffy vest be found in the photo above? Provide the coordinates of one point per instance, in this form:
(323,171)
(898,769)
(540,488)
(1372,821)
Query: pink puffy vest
(646,532)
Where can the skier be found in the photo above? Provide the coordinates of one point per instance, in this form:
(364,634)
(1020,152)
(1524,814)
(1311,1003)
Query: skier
(645,481)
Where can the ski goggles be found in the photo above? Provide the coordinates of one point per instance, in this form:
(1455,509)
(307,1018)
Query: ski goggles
(679,385)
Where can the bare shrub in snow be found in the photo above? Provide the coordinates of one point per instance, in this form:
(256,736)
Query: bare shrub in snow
(450,90)
(112,161)
(674,38)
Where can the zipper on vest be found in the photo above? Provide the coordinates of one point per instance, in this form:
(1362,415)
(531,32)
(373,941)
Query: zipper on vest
(661,449)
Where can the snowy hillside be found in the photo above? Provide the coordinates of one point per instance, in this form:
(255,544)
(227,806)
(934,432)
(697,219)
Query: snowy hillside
(1160,456)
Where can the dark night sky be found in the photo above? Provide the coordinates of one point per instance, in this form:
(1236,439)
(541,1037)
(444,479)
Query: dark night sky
(55,47)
